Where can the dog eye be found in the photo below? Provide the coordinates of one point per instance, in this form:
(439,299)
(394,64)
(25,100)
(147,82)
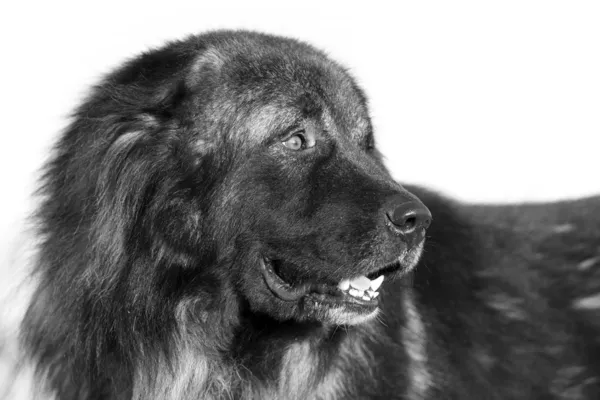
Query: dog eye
(300,140)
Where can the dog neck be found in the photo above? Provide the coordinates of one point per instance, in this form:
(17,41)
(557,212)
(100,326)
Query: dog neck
(264,359)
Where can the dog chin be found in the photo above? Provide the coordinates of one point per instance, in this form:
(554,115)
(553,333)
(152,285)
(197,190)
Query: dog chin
(341,316)
(345,316)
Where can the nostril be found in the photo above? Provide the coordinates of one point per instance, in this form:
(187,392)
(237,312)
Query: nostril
(410,223)
(408,217)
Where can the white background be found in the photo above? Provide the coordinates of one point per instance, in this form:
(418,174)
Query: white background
(483,101)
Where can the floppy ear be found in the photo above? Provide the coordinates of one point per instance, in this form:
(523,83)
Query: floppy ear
(155,177)
(123,193)
(98,187)
(125,175)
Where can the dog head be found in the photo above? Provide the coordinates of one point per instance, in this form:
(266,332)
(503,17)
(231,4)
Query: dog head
(235,165)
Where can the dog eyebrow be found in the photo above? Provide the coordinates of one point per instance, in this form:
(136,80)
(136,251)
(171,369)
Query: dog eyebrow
(271,118)
(360,130)
(266,119)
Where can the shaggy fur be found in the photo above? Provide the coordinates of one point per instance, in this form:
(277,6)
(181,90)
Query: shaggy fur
(175,181)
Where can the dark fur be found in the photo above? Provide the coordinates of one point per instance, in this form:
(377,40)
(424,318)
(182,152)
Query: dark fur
(171,182)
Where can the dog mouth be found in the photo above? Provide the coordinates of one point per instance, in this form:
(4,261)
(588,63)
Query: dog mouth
(360,291)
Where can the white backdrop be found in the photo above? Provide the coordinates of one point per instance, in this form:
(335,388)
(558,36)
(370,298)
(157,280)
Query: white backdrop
(484,101)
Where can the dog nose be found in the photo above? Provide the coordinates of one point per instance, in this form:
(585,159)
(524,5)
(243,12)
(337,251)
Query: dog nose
(409,218)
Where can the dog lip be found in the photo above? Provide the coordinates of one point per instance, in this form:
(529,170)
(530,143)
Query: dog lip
(343,298)
(279,287)
(386,270)
(399,266)
(322,291)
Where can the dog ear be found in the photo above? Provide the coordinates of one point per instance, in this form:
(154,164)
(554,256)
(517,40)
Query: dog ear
(125,175)
(155,177)
(124,190)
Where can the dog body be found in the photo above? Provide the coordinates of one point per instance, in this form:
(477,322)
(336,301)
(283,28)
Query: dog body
(508,295)
(216,224)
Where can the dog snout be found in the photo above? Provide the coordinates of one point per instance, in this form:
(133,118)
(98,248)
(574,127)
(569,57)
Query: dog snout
(408,218)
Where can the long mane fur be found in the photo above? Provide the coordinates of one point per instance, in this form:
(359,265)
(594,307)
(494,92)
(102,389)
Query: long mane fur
(117,312)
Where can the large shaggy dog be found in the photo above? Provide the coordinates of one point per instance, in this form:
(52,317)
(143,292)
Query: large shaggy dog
(218,224)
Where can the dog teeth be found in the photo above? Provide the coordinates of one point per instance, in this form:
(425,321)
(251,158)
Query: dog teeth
(344,285)
(376,283)
(361,283)
(361,287)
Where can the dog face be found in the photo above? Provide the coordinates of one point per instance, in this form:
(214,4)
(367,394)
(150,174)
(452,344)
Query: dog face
(232,168)
(300,203)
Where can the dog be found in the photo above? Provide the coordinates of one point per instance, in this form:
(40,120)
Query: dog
(217,223)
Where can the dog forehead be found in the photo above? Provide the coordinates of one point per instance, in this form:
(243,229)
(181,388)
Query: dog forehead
(278,81)
(262,121)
